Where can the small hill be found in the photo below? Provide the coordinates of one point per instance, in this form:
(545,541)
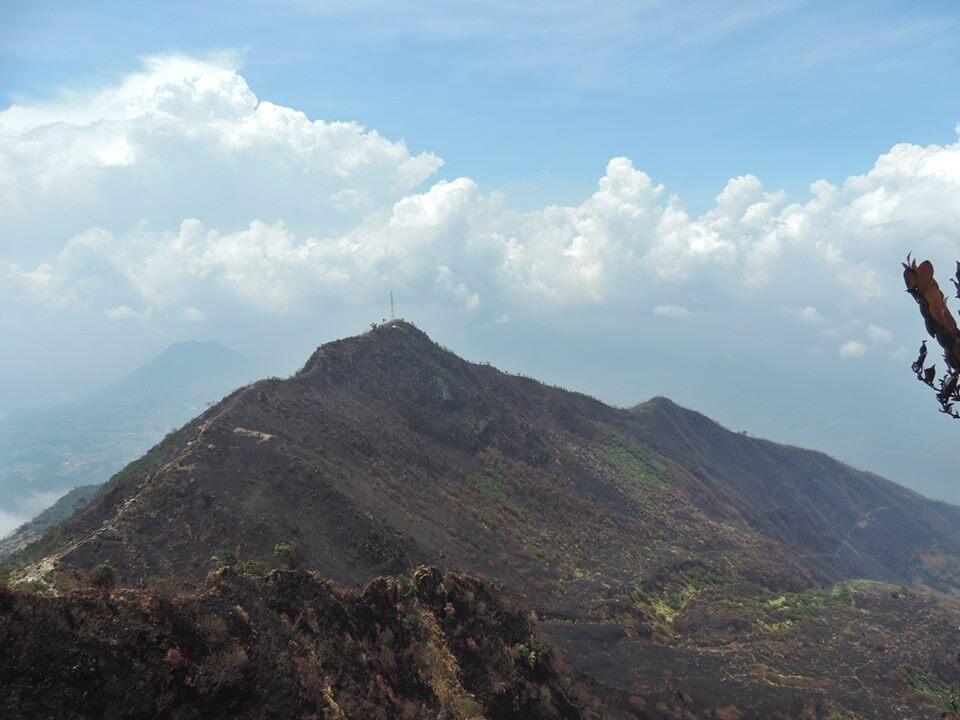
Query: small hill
(651,540)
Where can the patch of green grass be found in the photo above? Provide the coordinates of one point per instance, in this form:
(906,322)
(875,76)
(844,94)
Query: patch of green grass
(33,586)
(160,497)
(946,695)
(658,607)
(493,480)
(777,612)
(782,612)
(864,585)
(663,606)
(633,462)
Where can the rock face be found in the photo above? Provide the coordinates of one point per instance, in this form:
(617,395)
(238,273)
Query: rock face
(286,645)
(661,548)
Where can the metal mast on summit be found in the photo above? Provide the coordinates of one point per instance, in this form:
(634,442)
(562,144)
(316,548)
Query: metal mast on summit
(392,314)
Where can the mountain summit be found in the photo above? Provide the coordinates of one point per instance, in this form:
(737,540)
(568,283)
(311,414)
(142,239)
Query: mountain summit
(643,536)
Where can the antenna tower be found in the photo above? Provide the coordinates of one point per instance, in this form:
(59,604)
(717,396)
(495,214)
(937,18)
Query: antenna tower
(392,314)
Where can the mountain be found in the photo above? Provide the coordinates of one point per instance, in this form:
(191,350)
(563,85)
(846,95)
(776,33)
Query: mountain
(52,451)
(185,370)
(843,522)
(668,557)
(622,364)
(288,645)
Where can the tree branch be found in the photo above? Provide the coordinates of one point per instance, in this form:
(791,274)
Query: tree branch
(942,326)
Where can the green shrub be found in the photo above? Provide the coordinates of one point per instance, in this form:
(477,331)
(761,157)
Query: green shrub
(290,554)
(633,462)
(102,576)
(776,612)
(543,651)
(325,652)
(522,654)
(492,482)
(250,567)
(33,586)
(225,558)
(946,695)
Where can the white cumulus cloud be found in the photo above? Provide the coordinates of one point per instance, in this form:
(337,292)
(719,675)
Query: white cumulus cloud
(177,192)
(879,335)
(810,315)
(852,349)
(677,312)
(188,138)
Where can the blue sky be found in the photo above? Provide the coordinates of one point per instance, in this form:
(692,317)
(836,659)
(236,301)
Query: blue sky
(706,200)
(534,97)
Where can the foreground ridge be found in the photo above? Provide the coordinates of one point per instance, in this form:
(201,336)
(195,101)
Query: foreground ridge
(287,644)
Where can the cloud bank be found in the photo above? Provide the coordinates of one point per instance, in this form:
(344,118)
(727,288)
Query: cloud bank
(188,138)
(176,192)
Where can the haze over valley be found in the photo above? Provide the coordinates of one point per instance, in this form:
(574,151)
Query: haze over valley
(479,361)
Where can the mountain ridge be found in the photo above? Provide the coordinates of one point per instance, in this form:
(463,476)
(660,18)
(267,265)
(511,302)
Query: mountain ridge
(651,527)
(34,528)
(418,386)
(287,644)
(84,442)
